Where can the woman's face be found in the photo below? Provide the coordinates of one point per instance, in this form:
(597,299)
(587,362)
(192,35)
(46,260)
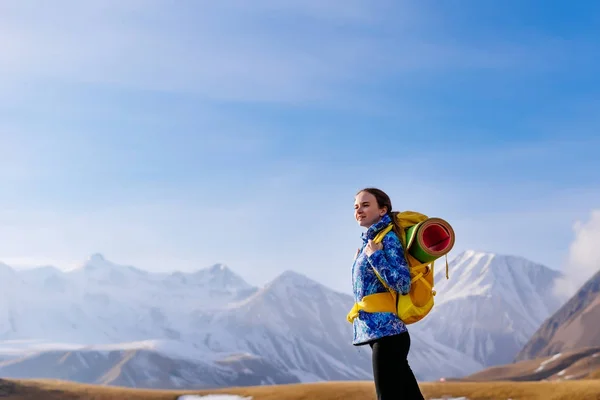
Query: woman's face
(366,210)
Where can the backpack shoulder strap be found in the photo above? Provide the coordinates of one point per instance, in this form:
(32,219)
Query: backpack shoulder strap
(379,237)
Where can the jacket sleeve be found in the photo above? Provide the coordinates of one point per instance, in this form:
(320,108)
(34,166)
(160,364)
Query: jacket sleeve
(391,265)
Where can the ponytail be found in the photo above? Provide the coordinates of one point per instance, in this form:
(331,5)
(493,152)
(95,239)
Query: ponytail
(398,230)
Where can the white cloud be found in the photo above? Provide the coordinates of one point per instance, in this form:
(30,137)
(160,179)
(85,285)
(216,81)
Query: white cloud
(584,255)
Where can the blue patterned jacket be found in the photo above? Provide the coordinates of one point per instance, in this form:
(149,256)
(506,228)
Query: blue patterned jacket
(392,266)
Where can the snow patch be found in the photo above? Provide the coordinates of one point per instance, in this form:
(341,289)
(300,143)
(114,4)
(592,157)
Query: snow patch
(450,398)
(213,397)
(453,398)
(546,362)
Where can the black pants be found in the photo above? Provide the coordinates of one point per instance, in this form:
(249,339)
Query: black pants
(394,379)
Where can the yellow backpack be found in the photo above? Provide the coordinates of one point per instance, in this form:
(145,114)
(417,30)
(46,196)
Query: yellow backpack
(415,305)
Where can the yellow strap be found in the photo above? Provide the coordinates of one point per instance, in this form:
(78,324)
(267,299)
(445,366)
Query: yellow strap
(353,314)
(419,266)
(447,266)
(417,276)
(426,283)
(413,278)
(382,234)
(378,302)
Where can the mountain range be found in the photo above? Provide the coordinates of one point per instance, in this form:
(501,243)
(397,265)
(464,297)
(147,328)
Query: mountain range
(115,324)
(566,346)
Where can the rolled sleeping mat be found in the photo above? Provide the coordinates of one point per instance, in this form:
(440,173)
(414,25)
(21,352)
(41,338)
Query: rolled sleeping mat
(430,239)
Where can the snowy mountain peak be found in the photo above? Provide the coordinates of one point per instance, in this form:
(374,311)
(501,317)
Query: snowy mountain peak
(483,266)
(293,279)
(291,284)
(216,277)
(96,258)
(97,261)
(487,275)
(474,255)
(218,267)
(99,269)
(491,304)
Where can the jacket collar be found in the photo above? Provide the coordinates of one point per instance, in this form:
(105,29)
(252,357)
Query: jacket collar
(376,228)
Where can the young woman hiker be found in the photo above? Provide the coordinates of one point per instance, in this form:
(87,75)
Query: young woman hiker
(386,334)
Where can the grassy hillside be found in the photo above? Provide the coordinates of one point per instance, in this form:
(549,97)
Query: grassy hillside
(575,364)
(55,390)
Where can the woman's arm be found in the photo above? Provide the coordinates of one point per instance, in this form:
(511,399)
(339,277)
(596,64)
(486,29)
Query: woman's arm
(391,265)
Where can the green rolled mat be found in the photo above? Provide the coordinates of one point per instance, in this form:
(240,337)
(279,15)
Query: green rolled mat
(429,240)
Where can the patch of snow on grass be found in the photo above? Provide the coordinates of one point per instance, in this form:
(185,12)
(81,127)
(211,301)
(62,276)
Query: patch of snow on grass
(544,363)
(213,397)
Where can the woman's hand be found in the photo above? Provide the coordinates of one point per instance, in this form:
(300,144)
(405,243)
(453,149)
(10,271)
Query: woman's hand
(372,247)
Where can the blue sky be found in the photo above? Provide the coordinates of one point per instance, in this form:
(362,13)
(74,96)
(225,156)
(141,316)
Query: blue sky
(238,132)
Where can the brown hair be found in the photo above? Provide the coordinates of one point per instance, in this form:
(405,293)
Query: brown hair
(383,200)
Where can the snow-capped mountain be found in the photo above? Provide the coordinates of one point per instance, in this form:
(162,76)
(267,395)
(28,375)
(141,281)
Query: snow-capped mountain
(103,302)
(293,325)
(491,305)
(301,324)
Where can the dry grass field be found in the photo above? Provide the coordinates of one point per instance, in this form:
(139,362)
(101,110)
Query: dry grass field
(563,390)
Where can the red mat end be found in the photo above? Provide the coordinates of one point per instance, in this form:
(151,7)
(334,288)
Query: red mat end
(435,237)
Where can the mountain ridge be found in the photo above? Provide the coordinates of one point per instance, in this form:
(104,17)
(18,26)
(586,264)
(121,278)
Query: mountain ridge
(572,326)
(293,323)
(500,300)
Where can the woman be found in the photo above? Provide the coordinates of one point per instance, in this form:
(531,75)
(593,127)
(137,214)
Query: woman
(386,334)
